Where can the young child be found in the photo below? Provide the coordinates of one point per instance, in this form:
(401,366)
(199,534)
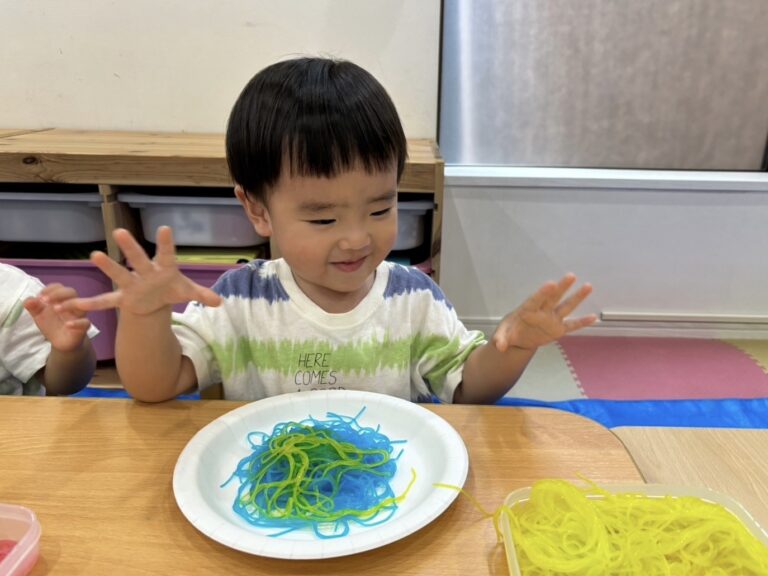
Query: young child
(42,350)
(316,150)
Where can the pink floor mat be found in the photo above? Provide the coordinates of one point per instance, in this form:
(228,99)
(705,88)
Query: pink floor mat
(613,368)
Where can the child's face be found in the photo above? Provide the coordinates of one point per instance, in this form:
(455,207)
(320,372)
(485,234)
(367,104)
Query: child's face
(333,232)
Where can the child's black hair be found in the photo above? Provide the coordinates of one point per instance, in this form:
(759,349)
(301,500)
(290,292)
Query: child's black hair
(321,116)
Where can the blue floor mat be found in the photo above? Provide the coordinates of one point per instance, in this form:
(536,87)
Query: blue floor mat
(728,413)
(89,392)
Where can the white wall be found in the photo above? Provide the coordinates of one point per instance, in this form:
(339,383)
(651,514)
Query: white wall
(673,252)
(178,65)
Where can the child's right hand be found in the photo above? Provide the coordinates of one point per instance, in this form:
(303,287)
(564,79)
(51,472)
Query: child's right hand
(152,285)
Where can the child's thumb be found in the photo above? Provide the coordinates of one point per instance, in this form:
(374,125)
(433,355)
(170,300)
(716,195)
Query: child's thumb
(33,306)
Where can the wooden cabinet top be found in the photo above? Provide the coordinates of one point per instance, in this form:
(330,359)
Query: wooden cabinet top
(154,158)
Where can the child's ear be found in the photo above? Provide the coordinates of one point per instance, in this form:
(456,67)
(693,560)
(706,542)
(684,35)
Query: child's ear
(256,211)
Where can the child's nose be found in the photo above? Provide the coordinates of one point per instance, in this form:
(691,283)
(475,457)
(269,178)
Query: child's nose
(355,238)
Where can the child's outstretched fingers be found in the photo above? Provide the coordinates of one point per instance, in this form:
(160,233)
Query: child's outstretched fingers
(55,294)
(50,298)
(135,255)
(34,306)
(78,324)
(543,317)
(165,254)
(64,330)
(567,306)
(120,275)
(117,273)
(165,257)
(60,298)
(104,301)
(573,324)
(151,284)
(204,295)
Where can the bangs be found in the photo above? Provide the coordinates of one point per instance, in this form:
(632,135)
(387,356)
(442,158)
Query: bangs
(327,143)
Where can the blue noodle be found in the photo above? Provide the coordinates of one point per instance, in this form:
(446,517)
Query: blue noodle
(318,474)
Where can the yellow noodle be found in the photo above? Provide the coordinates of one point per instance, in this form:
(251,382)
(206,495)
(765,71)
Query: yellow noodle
(563,529)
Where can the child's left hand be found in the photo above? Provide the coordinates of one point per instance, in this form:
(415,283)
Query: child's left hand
(64,329)
(542,318)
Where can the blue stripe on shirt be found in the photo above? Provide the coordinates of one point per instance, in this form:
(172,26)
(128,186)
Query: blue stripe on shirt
(249,282)
(407,279)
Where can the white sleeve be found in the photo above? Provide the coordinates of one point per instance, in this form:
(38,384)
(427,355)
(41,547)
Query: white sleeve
(194,328)
(23,348)
(443,342)
(445,350)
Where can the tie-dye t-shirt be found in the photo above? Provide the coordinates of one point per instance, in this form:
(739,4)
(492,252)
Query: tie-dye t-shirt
(23,348)
(267,337)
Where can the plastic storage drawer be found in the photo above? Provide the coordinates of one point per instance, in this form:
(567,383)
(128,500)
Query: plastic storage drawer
(50,217)
(410,223)
(196,221)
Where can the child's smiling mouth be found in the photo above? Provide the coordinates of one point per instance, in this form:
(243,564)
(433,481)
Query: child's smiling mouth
(350,265)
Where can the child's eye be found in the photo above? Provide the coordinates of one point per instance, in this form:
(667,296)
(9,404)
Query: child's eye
(382,212)
(321,222)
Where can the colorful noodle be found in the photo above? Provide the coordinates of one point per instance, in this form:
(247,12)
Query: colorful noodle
(323,474)
(563,529)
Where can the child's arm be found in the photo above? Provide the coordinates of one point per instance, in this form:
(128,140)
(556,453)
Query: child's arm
(148,354)
(491,370)
(72,360)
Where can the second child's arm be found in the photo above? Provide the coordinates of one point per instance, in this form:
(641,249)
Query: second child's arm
(148,354)
(68,372)
(72,359)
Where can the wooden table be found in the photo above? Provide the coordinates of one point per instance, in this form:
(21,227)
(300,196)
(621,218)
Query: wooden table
(98,474)
(734,462)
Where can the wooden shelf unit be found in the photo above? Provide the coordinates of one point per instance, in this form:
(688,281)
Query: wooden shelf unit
(111,158)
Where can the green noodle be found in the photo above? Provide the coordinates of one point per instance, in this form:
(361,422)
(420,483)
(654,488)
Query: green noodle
(322,474)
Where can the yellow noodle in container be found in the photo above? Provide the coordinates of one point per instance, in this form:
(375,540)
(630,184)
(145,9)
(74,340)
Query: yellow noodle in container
(558,528)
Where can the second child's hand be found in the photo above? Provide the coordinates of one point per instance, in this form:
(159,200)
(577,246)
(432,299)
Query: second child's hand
(152,284)
(64,328)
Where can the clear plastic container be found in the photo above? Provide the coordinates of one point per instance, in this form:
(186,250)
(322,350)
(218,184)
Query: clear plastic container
(214,221)
(196,221)
(651,490)
(19,524)
(410,223)
(50,217)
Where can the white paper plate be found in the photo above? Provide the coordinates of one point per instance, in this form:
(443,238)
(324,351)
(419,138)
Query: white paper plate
(650,490)
(433,449)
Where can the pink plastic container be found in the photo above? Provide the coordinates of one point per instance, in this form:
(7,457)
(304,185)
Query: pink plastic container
(88,281)
(204,274)
(19,524)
